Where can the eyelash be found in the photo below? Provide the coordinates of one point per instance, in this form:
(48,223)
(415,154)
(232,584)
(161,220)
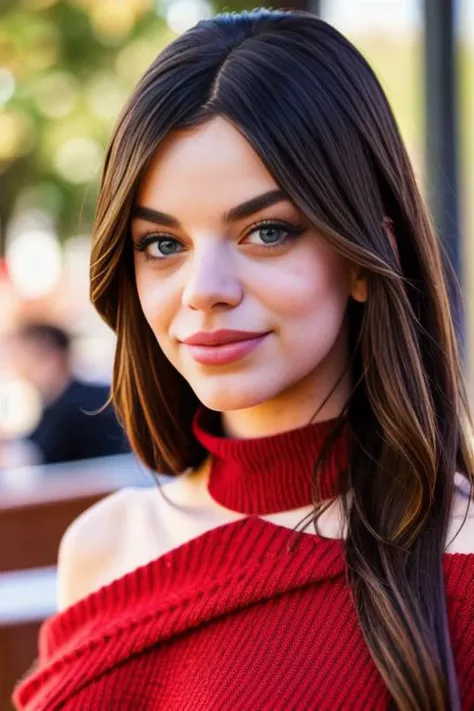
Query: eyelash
(292,232)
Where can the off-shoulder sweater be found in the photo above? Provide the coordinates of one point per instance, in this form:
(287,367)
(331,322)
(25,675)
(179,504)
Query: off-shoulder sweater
(247,616)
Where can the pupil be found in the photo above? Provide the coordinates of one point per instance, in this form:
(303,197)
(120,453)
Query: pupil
(270,234)
(166,246)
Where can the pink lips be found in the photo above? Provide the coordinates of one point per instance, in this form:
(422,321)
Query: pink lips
(222,347)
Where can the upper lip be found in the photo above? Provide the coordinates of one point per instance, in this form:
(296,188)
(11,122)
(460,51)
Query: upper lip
(219,338)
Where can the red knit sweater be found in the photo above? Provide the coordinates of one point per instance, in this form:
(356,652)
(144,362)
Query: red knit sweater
(248,616)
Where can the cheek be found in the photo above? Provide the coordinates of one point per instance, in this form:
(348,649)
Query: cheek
(157,301)
(311,290)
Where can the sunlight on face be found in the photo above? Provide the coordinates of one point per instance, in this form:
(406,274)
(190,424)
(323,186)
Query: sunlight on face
(203,265)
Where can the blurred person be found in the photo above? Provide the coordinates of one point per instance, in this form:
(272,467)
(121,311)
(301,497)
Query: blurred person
(69,428)
(285,349)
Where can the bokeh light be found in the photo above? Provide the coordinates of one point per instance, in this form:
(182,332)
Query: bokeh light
(17,134)
(112,19)
(33,254)
(41,45)
(136,56)
(7,85)
(106,95)
(20,407)
(183,14)
(78,160)
(55,94)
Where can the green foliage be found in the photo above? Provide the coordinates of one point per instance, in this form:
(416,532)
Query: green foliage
(73,66)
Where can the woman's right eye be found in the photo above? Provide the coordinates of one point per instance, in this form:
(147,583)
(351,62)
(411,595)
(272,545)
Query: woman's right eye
(158,248)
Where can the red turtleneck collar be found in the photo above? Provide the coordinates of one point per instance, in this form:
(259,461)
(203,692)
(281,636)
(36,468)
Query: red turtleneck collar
(269,474)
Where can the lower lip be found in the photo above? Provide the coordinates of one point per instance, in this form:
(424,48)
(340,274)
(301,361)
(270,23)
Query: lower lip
(228,353)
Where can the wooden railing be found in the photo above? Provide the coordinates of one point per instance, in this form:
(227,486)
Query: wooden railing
(37,504)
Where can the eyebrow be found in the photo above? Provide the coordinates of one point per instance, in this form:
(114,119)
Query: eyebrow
(245,209)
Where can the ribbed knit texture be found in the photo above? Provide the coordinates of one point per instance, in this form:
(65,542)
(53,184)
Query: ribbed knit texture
(269,474)
(249,616)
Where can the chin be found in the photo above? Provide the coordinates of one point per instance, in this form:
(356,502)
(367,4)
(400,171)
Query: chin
(225,397)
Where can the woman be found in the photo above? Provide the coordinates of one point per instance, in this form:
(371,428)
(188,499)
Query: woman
(285,347)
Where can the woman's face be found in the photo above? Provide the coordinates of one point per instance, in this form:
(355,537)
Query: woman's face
(219,247)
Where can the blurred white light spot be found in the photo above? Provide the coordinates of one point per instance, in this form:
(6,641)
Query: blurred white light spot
(29,220)
(78,160)
(20,406)
(184,14)
(106,95)
(56,94)
(7,85)
(76,258)
(34,262)
(365,16)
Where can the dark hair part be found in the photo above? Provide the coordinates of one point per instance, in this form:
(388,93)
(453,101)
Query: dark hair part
(47,335)
(313,110)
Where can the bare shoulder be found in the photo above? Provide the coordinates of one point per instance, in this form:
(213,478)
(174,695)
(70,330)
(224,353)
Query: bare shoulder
(111,538)
(460,538)
(126,530)
(88,546)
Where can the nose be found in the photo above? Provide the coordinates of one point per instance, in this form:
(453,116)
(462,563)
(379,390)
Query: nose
(212,280)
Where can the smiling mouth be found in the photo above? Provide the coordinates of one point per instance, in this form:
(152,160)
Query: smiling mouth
(224,353)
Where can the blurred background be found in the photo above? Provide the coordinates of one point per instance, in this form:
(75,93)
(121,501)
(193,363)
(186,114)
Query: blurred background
(66,69)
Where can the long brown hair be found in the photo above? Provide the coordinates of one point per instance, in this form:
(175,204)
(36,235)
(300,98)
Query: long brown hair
(313,110)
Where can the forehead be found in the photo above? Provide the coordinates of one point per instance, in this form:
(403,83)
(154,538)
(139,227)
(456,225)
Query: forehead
(210,164)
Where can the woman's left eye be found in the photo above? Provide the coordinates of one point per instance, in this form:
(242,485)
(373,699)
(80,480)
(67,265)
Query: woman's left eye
(274,234)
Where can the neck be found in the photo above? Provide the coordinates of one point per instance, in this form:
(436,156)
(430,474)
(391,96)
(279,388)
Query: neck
(261,475)
(299,406)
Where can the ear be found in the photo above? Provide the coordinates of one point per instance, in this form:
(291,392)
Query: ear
(358,285)
(359,290)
